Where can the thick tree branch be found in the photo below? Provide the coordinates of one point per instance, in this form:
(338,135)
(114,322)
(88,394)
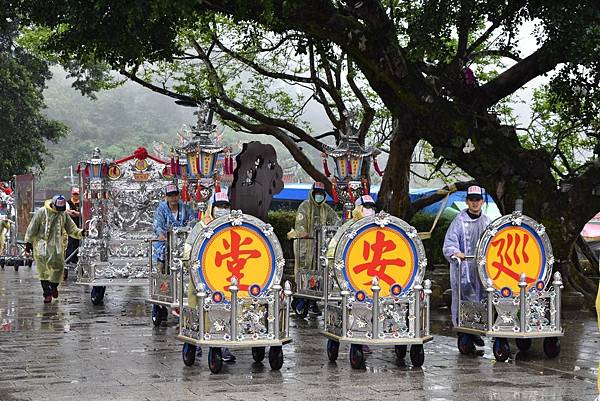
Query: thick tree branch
(250,112)
(158,89)
(540,62)
(369,112)
(439,195)
(298,155)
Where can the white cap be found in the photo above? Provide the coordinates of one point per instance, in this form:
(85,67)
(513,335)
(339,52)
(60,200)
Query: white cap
(220,197)
(475,190)
(364,199)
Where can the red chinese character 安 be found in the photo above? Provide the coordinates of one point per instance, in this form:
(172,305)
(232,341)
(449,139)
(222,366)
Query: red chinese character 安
(236,257)
(376,266)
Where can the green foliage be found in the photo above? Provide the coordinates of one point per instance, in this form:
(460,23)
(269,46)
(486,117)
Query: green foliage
(433,246)
(283,221)
(117,122)
(24,129)
(568,138)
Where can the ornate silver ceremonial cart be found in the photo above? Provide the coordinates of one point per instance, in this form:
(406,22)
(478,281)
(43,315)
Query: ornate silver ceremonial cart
(193,167)
(514,261)
(164,291)
(236,264)
(118,203)
(19,212)
(314,284)
(379,264)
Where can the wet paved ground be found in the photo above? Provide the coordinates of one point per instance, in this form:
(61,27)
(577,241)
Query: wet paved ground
(72,350)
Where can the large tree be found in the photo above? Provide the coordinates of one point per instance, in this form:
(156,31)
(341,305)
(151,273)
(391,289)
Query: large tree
(24,129)
(417,57)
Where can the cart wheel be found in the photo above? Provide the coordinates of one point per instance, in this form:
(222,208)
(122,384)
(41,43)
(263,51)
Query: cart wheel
(523,344)
(16,267)
(465,344)
(417,355)
(2,264)
(157,316)
(501,349)
(276,357)
(258,353)
(189,354)
(215,360)
(97,294)
(400,352)
(301,308)
(333,349)
(29,262)
(357,358)
(551,347)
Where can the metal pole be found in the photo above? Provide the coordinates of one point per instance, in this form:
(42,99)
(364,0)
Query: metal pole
(427,292)
(522,294)
(558,284)
(458,292)
(276,292)
(233,323)
(375,311)
(344,294)
(288,293)
(490,306)
(417,294)
(201,295)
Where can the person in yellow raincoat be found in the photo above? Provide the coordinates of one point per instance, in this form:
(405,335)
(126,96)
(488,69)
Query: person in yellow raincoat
(44,237)
(312,212)
(219,206)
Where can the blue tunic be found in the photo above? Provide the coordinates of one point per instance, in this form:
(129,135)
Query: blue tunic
(165,219)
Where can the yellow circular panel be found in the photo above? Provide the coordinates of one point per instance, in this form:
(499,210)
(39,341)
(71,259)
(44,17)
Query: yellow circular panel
(512,251)
(379,252)
(238,252)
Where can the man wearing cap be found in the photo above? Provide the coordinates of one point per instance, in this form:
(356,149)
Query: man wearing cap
(460,244)
(73,243)
(312,213)
(170,213)
(44,237)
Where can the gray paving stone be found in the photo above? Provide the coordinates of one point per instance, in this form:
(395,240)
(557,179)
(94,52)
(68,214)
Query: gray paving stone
(72,350)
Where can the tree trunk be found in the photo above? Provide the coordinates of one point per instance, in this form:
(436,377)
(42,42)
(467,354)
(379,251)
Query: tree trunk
(394,193)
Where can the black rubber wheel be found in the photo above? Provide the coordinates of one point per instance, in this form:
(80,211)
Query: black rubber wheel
(16,265)
(523,344)
(2,262)
(29,262)
(189,354)
(157,315)
(276,357)
(97,294)
(551,347)
(258,353)
(357,357)
(465,344)
(215,359)
(400,352)
(301,307)
(333,349)
(501,349)
(417,355)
